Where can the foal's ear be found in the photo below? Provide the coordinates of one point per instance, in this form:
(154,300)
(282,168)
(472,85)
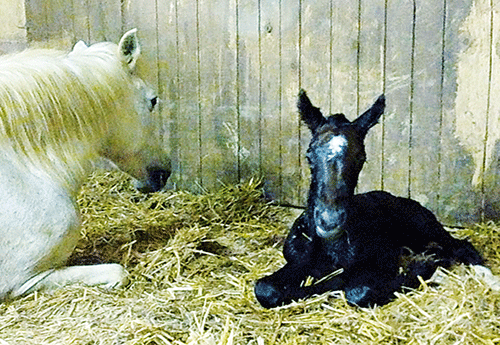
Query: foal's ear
(308,113)
(370,117)
(129,48)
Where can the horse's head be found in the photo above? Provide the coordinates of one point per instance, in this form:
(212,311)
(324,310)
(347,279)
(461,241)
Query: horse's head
(336,155)
(133,141)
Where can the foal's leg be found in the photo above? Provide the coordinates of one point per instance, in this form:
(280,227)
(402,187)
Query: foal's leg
(280,287)
(424,228)
(287,285)
(368,287)
(299,245)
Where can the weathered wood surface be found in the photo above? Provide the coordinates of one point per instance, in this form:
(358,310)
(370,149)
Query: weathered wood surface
(228,72)
(13,19)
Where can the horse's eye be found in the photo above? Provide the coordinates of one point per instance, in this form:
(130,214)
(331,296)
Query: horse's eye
(153,101)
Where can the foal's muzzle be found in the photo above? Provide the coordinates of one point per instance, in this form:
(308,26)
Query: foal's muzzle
(329,223)
(157,178)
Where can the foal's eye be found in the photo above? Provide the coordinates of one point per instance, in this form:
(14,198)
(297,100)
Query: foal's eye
(153,101)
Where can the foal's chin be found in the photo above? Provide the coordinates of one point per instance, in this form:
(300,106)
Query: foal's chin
(329,234)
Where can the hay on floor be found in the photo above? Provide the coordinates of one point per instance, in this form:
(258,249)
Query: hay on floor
(193,261)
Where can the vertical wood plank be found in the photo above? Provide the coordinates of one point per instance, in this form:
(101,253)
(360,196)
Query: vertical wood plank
(248,84)
(168,85)
(271,107)
(343,41)
(220,137)
(290,41)
(427,121)
(491,184)
(462,198)
(49,23)
(370,81)
(81,20)
(397,115)
(456,199)
(188,89)
(105,19)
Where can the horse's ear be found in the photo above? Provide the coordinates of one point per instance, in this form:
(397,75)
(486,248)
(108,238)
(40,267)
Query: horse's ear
(129,48)
(370,117)
(78,47)
(311,115)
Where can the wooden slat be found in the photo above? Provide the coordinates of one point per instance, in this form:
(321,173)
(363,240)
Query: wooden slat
(456,167)
(271,108)
(189,110)
(105,19)
(220,137)
(472,66)
(398,91)
(491,183)
(168,84)
(370,85)
(80,20)
(248,83)
(292,186)
(427,122)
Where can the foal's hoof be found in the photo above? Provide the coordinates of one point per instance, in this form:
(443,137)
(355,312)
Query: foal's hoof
(267,294)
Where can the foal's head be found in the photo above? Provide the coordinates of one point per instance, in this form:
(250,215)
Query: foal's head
(336,155)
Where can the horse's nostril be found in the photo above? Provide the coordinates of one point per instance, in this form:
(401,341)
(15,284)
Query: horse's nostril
(158,177)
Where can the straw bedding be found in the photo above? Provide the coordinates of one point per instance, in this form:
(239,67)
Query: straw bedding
(193,260)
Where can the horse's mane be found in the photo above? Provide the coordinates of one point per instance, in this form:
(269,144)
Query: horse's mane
(50,97)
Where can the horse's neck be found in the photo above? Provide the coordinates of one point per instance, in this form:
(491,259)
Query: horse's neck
(67,167)
(72,166)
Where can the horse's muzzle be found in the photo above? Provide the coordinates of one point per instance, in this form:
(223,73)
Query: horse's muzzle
(157,178)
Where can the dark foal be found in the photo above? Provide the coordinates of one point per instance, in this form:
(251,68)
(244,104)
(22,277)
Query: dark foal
(365,234)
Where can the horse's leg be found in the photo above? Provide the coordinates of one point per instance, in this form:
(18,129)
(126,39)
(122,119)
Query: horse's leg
(39,228)
(108,276)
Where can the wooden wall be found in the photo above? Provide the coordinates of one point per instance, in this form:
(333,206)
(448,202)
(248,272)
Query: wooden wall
(228,72)
(13,32)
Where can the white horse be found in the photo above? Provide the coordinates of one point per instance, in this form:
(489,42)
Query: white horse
(59,112)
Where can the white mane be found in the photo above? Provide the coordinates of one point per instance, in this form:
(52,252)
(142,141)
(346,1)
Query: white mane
(49,98)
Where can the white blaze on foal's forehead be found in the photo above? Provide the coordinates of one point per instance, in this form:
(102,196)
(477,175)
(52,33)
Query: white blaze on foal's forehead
(336,145)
